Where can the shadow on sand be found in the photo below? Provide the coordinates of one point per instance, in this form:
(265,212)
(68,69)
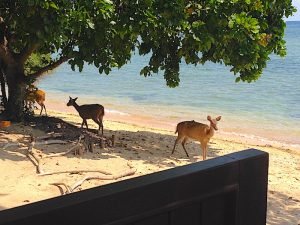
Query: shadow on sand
(141,145)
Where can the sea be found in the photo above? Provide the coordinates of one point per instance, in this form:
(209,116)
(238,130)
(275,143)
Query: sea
(263,113)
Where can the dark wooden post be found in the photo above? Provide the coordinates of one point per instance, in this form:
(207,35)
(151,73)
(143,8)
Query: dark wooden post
(227,190)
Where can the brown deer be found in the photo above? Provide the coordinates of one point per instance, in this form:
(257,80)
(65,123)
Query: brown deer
(197,131)
(92,111)
(38,96)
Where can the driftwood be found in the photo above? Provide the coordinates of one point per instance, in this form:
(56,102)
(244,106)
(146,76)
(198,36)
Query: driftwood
(9,144)
(78,144)
(105,177)
(36,143)
(75,172)
(62,153)
(69,189)
(37,160)
(85,142)
(52,135)
(92,138)
(51,142)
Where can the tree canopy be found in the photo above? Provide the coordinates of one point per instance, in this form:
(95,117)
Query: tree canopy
(240,34)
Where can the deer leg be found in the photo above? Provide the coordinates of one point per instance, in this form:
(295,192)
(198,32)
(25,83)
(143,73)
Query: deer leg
(203,147)
(85,122)
(182,143)
(100,118)
(45,109)
(206,147)
(101,127)
(177,139)
(99,122)
(41,109)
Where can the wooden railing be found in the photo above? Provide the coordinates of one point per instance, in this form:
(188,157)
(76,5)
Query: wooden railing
(227,190)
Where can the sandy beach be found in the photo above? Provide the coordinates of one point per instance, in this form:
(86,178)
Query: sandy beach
(146,149)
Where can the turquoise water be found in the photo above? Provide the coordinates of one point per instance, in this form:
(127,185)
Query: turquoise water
(267,111)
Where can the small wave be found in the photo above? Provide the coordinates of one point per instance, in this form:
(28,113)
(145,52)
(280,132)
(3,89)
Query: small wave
(117,112)
(256,140)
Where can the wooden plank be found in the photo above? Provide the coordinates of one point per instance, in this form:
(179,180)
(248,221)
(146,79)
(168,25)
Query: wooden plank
(253,186)
(160,219)
(190,214)
(220,209)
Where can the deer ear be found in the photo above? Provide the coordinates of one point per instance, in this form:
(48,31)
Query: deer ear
(218,118)
(208,118)
(75,98)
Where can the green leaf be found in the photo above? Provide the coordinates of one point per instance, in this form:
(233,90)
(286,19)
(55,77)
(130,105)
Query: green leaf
(53,5)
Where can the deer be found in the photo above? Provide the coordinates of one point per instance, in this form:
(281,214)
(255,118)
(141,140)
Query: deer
(38,96)
(197,131)
(91,111)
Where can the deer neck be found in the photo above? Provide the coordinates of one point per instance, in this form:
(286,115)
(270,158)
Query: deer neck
(76,106)
(211,131)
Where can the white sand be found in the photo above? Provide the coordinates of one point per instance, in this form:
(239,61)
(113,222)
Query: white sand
(147,150)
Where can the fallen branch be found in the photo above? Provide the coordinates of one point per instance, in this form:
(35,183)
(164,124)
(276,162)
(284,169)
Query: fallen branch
(51,142)
(69,189)
(62,153)
(107,177)
(110,142)
(75,172)
(78,144)
(63,184)
(30,154)
(93,135)
(37,143)
(9,144)
(53,135)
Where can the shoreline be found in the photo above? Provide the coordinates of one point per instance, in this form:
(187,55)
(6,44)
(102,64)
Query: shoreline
(150,122)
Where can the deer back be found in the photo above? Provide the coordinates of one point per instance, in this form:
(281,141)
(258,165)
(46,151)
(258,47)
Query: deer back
(36,96)
(193,129)
(40,96)
(91,111)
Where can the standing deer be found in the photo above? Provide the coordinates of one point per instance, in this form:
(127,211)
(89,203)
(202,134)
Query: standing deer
(92,111)
(197,131)
(38,96)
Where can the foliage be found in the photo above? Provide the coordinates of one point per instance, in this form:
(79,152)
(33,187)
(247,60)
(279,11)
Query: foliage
(238,33)
(37,61)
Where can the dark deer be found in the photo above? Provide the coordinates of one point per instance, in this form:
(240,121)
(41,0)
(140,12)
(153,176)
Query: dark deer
(92,111)
(197,131)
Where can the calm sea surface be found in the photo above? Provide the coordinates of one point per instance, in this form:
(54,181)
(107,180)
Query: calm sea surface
(264,112)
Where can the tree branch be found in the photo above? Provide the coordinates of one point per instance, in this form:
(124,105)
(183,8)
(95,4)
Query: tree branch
(49,67)
(27,51)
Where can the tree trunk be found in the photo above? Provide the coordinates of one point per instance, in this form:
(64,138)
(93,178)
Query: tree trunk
(3,88)
(16,84)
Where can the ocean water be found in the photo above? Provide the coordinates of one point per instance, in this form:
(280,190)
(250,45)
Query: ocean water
(265,112)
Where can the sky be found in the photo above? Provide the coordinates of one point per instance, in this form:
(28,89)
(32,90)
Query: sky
(296,16)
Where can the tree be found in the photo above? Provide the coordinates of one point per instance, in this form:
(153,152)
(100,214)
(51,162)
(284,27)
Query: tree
(239,33)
